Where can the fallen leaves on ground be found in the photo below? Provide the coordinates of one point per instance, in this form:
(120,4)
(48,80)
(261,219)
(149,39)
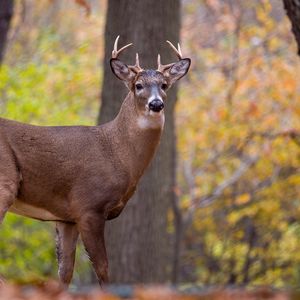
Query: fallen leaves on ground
(53,291)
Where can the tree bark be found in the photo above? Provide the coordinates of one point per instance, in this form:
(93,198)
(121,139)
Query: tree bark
(292,8)
(138,243)
(6,12)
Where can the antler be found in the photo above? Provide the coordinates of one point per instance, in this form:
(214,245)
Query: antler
(177,51)
(136,67)
(115,53)
(161,67)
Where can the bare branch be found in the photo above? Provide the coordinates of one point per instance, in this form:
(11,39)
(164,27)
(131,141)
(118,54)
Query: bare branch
(243,168)
(280,173)
(246,164)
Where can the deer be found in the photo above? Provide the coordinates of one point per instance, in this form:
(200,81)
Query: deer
(82,176)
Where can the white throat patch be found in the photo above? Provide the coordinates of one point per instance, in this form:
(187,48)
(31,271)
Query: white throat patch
(151,120)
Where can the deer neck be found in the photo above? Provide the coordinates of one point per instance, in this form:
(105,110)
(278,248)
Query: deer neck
(136,135)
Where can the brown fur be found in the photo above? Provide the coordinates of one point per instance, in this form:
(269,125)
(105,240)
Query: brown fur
(74,172)
(81,176)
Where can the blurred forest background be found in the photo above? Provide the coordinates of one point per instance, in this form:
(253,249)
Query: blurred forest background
(235,214)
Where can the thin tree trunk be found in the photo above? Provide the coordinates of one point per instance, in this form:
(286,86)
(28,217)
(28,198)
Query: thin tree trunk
(6,12)
(178,240)
(292,8)
(139,247)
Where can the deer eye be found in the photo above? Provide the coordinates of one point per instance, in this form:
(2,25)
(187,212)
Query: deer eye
(164,86)
(138,86)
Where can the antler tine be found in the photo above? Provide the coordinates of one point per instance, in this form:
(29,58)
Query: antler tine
(116,52)
(177,51)
(116,44)
(158,61)
(136,67)
(161,67)
(137,61)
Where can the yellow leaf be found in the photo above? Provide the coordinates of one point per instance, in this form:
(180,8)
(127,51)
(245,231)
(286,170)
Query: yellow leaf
(243,198)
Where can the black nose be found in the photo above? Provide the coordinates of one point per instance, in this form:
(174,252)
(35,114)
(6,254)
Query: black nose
(156,105)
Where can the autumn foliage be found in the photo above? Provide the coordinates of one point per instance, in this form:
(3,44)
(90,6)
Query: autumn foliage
(239,167)
(236,217)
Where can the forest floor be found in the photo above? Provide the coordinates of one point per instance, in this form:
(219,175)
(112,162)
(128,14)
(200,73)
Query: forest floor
(52,291)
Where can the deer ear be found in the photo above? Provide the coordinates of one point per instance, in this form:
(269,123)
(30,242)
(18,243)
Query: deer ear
(121,70)
(177,70)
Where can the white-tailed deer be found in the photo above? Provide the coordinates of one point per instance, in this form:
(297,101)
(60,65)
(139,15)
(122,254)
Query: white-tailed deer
(81,176)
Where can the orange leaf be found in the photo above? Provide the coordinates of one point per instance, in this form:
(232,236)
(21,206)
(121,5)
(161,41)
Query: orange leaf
(86,5)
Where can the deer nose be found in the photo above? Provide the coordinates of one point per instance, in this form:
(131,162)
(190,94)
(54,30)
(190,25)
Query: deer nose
(156,105)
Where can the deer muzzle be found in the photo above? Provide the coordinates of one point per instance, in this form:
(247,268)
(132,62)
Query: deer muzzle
(156,105)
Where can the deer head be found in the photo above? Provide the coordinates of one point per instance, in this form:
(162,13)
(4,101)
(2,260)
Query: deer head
(149,86)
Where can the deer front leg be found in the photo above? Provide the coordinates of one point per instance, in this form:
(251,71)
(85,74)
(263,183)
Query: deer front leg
(8,191)
(9,178)
(91,228)
(66,240)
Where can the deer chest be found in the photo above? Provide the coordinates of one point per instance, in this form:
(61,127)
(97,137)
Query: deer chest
(115,211)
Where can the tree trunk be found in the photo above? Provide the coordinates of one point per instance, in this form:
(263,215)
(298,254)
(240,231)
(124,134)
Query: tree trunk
(138,243)
(6,12)
(292,8)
